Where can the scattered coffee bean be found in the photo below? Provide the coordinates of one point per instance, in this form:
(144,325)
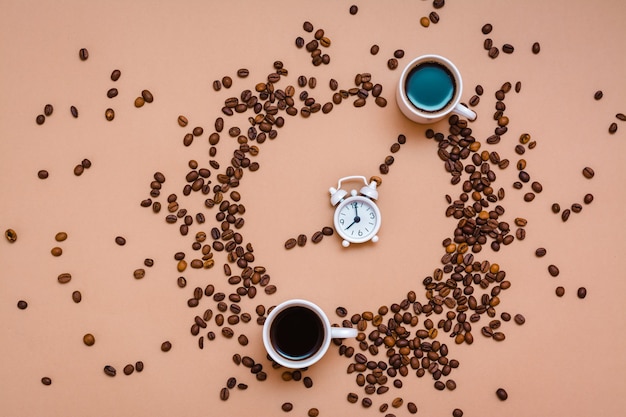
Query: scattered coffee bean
(565,215)
(64,278)
(74,111)
(166,346)
(374,49)
(354,9)
(78,170)
(553,270)
(139,102)
(313,412)
(243,72)
(115,75)
(56,251)
(109,370)
(182,121)
(424,21)
(598,95)
(412,407)
(290,243)
(83,54)
(10,235)
(588,198)
(40,119)
(139,366)
(487,28)
(536,48)
(139,273)
(556,208)
(109,114)
(89,339)
(224,394)
(112,93)
(434,17)
(502,394)
(582,292)
(519,319)
(307,26)
(22,305)
(494,52)
(457,412)
(560,291)
(120,240)
(507,48)
(128,369)
(48,109)
(77,297)
(588,172)
(577,208)
(286,407)
(46,380)
(352,397)
(42,174)
(540,252)
(612,128)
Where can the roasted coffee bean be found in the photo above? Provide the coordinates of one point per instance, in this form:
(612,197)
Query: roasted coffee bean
(120,240)
(112,93)
(565,215)
(227,82)
(374,49)
(540,252)
(317,237)
(588,172)
(74,111)
(502,394)
(353,398)
(536,48)
(83,54)
(109,114)
(243,72)
(474,100)
(314,412)
(128,369)
(366,402)
(290,243)
(46,380)
(528,197)
(556,208)
(147,96)
(507,48)
(588,198)
(78,170)
(60,237)
(519,319)
(392,63)
(10,235)
(64,278)
(537,187)
(424,21)
(22,305)
(576,208)
(560,291)
(411,407)
(109,370)
(182,121)
(553,270)
(48,109)
(56,251)
(327,231)
(598,95)
(77,296)
(433,17)
(224,394)
(457,412)
(139,273)
(354,9)
(307,26)
(487,28)
(612,128)
(115,75)
(40,119)
(166,346)
(286,407)
(494,52)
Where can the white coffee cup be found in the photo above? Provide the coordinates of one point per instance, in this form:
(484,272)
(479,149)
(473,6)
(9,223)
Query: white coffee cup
(297,333)
(429,89)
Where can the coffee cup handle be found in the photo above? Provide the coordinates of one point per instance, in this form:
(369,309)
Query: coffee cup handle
(461,110)
(343,332)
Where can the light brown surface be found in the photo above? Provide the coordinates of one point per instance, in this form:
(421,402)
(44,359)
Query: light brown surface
(568,359)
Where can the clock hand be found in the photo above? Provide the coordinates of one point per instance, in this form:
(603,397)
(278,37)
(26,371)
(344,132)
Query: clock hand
(357,219)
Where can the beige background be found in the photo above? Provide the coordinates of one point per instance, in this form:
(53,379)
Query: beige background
(568,359)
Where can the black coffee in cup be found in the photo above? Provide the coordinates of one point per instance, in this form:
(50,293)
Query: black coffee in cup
(297,333)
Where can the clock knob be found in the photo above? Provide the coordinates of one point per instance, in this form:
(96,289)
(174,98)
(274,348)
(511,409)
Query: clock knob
(336,195)
(370,191)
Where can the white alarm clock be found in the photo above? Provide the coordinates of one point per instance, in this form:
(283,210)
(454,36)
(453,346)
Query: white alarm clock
(357,218)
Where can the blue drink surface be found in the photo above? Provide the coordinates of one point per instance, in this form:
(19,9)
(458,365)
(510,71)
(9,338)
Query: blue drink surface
(430,86)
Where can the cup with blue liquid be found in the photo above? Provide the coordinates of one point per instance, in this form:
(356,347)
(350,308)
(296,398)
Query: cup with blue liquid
(430,89)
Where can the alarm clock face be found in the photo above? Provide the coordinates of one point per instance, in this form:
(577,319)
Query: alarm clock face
(357,219)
